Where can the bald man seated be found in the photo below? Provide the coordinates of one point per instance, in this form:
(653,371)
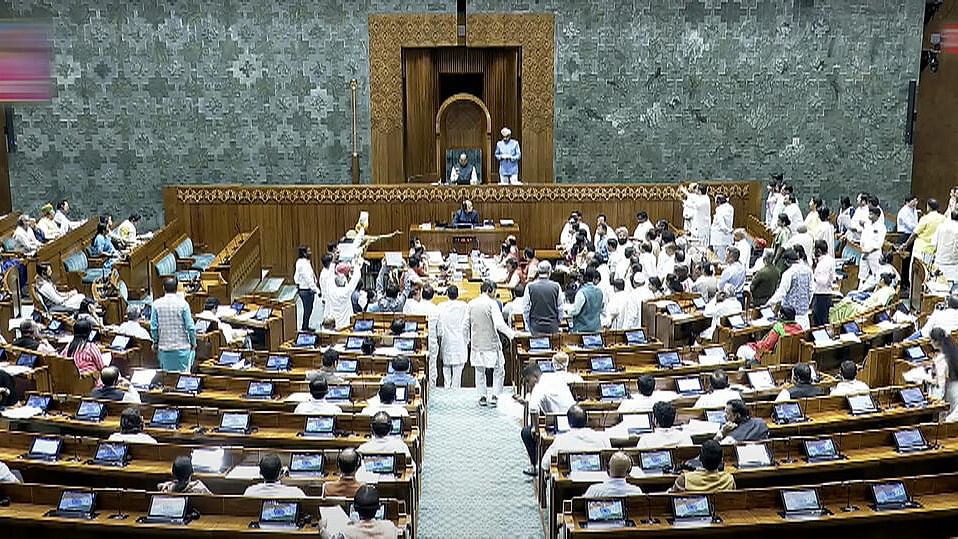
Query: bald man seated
(620,465)
(113,387)
(346,486)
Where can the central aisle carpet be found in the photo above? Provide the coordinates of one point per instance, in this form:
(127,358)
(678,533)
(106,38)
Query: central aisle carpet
(472,482)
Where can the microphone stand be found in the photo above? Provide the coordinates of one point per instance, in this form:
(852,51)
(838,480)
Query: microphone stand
(119,515)
(849,508)
(651,520)
(76,445)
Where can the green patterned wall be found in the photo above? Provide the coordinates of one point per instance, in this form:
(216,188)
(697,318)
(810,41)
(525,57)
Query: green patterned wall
(154,92)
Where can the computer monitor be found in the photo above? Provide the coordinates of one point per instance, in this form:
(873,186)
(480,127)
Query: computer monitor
(238,306)
(909,440)
(635,337)
(540,343)
(279,513)
(915,353)
(715,416)
(913,397)
(119,343)
(307,463)
(168,418)
(655,461)
(820,449)
(668,360)
(364,325)
(234,421)
(545,365)
(602,364)
(760,379)
(613,391)
(111,453)
(45,447)
(584,462)
(76,502)
(305,340)
(260,390)
(27,360)
(91,411)
(202,326)
(380,464)
(40,402)
(692,384)
(410,326)
(188,384)
(277,363)
(715,353)
(592,341)
(320,425)
(604,512)
(753,455)
(861,404)
(338,392)
(395,428)
(168,507)
(404,345)
(787,413)
(736,321)
(767,313)
(801,501)
(55,326)
(890,495)
(263,314)
(699,303)
(347,366)
(229,358)
(851,328)
(696,507)
(821,336)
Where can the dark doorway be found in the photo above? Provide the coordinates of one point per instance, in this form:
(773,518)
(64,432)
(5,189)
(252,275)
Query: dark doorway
(451,84)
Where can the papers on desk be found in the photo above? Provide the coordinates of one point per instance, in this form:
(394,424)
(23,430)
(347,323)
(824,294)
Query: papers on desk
(224,310)
(683,316)
(711,360)
(591,477)
(425,226)
(364,476)
(435,258)
(506,222)
(245,473)
(698,427)
(761,322)
(916,375)
(886,325)
(335,520)
(21,412)
(142,378)
(15,370)
(849,337)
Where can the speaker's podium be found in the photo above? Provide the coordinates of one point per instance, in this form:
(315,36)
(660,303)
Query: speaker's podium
(487,239)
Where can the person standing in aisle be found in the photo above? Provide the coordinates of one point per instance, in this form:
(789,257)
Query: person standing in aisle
(305,278)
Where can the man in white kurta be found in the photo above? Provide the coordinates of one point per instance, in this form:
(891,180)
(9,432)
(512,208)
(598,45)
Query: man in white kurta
(485,324)
(449,338)
(697,211)
(721,233)
(872,240)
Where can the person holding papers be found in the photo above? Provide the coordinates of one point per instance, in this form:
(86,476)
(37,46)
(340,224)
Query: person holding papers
(647,396)
(848,384)
(183,482)
(802,387)
(271,468)
(544,396)
(666,434)
(720,394)
(339,303)
(616,485)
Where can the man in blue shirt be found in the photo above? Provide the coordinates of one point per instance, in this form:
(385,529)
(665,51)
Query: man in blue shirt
(734,272)
(400,375)
(508,155)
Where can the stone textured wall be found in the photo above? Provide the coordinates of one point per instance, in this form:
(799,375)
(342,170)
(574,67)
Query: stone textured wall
(154,92)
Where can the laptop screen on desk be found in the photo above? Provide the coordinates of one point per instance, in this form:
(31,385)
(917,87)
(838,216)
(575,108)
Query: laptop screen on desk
(686,507)
(228,358)
(655,460)
(602,363)
(817,449)
(306,340)
(172,507)
(592,341)
(111,452)
(260,389)
(40,402)
(404,345)
(347,366)
(338,393)
(668,359)
(760,379)
(165,416)
(90,409)
(612,391)
(364,325)
(320,424)
(49,447)
(584,462)
(73,501)
(802,500)
(306,462)
(688,385)
(636,336)
(539,343)
(188,384)
(381,464)
(234,421)
(277,363)
(277,512)
(890,493)
(915,353)
(605,510)
(27,360)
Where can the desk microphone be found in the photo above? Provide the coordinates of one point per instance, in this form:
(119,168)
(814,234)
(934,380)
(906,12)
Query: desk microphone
(849,508)
(937,432)
(76,454)
(119,515)
(651,520)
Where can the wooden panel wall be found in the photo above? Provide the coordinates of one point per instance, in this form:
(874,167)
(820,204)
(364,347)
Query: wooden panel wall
(935,169)
(501,95)
(314,215)
(421,104)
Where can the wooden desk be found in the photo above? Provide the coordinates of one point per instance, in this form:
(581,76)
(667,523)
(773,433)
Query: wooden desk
(221,516)
(239,264)
(486,239)
(134,268)
(55,251)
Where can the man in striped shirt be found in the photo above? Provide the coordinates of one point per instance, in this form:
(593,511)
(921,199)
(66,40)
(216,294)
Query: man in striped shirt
(171,326)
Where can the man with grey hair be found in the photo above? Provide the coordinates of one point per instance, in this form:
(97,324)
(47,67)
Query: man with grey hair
(131,327)
(508,155)
(803,238)
(543,308)
(463,172)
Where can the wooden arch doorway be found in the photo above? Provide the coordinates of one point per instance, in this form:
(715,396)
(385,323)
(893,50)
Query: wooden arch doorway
(464,123)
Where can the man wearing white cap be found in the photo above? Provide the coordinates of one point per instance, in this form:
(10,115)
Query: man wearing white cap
(508,155)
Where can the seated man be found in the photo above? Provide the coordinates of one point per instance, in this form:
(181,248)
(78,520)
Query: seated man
(545,396)
(110,389)
(723,304)
(366,502)
(131,429)
(466,215)
(387,403)
(647,397)
(6,476)
(802,386)
(271,468)
(711,478)
(346,486)
(382,442)
(848,384)
(579,437)
(560,365)
(854,305)
(753,352)
(720,394)
(616,485)
(317,405)
(740,426)
(328,370)
(30,338)
(666,434)
(400,375)
(131,327)
(946,319)
(463,172)
(183,482)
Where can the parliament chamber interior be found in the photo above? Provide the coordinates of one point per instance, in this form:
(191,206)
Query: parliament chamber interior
(465,268)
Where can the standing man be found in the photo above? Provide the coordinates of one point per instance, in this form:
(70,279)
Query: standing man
(697,211)
(508,154)
(587,309)
(823,278)
(907,220)
(450,339)
(795,288)
(946,247)
(734,273)
(485,325)
(721,233)
(873,238)
(543,307)
(171,326)
(305,279)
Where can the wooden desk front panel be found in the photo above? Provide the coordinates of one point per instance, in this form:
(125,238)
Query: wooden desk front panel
(289,216)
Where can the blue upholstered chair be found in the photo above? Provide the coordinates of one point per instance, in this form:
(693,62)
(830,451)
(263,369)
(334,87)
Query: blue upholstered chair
(475,159)
(185,251)
(166,267)
(78,263)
